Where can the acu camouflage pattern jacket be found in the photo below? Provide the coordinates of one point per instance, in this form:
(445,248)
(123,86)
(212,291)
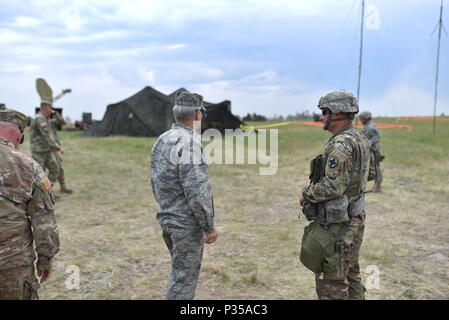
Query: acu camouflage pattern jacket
(41,137)
(26,211)
(372,135)
(180,180)
(347,159)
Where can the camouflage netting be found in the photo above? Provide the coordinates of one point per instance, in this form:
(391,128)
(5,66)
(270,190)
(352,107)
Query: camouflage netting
(149,113)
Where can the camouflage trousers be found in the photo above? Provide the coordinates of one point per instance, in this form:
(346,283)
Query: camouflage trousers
(350,235)
(61,177)
(186,250)
(47,160)
(18,283)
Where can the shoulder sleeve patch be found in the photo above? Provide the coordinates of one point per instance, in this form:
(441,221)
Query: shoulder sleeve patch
(46,183)
(332,162)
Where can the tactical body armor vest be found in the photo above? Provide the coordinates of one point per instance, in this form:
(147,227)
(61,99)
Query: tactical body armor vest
(351,203)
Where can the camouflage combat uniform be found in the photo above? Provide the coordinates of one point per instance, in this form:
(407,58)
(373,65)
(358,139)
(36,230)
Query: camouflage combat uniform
(56,122)
(44,146)
(373,136)
(26,215)
(181,187)
(346,157)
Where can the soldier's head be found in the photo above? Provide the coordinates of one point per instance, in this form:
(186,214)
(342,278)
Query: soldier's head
(365,117)
(46,109)
(338,109)
(12,126)
(2,106)
(188,109)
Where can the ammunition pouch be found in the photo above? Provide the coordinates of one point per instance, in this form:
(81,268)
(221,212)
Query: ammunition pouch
(337,210)
(356,208)
(310,210)
(320,253)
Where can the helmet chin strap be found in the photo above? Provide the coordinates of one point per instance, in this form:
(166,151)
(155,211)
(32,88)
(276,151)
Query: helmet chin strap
(329,120)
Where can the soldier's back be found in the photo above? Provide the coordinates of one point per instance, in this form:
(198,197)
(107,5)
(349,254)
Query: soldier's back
(37,140)
(18,175)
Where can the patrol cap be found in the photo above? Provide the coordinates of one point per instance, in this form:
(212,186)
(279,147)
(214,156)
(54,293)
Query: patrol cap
(339,102)
(9,115)
(187,99)
(365,115)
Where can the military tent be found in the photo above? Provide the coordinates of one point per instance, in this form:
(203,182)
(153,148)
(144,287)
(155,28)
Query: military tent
(147,113)
(150,113)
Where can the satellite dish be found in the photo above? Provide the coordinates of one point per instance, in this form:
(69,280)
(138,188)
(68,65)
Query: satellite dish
(44,90)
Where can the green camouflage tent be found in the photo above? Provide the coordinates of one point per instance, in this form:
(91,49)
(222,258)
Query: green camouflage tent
(149,113)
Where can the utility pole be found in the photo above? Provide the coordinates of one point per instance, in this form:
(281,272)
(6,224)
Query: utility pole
(440,27)
(361,50)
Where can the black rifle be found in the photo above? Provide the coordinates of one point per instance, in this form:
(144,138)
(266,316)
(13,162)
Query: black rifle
(312,211)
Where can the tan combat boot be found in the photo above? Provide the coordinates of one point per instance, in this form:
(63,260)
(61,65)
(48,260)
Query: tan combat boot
(377,187)
(65,190)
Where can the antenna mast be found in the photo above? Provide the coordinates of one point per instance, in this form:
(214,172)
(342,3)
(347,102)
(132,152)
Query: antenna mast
(361,50)
(440,26)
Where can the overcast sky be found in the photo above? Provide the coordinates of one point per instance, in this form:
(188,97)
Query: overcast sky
(268,57)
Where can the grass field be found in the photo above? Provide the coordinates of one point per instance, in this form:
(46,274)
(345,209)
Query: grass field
(108,227)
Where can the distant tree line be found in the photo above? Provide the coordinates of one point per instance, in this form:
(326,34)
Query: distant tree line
(304,115)
(254,117)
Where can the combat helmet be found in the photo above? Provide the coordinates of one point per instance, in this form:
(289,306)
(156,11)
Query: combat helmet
(365,115)
(339,102)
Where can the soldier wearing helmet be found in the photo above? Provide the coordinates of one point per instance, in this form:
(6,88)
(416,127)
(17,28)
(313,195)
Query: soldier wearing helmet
(334,202)
(373,136)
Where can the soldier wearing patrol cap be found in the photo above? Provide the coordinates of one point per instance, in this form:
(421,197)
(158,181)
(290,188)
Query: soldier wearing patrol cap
(334,202)
(181,187)
(26,215)
(373,136)
(42,142)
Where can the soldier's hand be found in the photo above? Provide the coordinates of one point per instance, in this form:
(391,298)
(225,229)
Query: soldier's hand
(301,200)
(211,237)
(61,150)
(44,274)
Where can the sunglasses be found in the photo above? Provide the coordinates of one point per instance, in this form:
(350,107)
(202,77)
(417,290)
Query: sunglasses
(325,112)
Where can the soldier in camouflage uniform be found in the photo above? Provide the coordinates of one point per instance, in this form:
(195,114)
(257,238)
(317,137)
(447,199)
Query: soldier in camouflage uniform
(26,215)
(56,121)
(337,197)
(181,187)
(373,136)
(42,142)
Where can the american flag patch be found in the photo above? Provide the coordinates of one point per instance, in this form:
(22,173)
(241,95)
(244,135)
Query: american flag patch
(46,183)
